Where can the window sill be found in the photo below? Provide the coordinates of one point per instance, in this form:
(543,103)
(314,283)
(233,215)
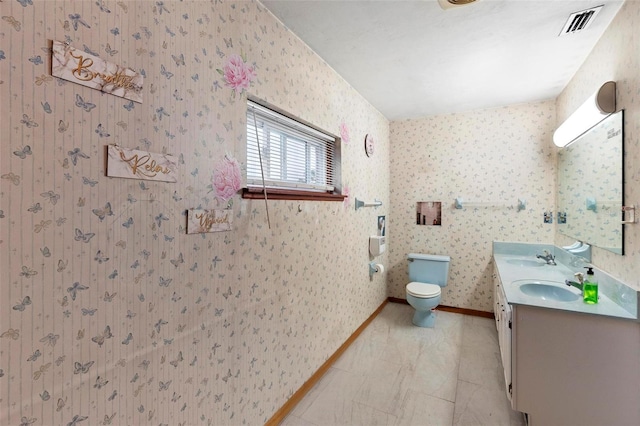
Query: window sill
(287,194)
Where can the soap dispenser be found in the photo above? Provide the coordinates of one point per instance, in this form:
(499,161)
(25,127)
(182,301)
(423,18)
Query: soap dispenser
(590,288)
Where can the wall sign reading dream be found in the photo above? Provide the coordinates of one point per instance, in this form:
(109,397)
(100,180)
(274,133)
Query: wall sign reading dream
(88,70)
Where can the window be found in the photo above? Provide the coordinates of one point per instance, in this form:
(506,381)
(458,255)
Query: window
(295,160)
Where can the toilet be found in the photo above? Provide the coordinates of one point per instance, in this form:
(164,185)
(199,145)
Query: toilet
(427,274)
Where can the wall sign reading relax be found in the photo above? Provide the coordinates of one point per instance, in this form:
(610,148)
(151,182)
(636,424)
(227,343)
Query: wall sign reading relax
(135,164)
(200,221)
(88,70)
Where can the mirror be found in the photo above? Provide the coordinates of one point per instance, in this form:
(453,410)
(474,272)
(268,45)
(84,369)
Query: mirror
(590,186)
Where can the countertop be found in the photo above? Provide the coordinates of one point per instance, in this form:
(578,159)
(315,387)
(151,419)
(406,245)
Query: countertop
(513,268)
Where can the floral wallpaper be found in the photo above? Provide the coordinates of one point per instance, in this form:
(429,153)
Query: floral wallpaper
(615,57)
(493,157)
(110,313)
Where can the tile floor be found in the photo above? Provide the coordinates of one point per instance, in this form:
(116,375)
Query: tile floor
(399,374)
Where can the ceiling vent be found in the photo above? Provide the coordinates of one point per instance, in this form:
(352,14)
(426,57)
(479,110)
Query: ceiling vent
(579,21)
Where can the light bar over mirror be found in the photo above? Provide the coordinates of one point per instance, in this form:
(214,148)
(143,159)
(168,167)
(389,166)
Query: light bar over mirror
(599,106)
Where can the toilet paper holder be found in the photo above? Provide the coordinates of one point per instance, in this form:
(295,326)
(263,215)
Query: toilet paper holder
(375,267)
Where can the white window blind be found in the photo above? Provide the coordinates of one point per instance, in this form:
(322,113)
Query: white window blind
(294,155)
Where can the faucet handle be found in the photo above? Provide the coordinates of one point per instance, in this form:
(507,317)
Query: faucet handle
(580,277)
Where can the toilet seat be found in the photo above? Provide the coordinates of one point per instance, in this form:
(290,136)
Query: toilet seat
(423,290)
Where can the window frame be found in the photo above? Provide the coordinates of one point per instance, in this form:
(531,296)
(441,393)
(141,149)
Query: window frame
(301,194)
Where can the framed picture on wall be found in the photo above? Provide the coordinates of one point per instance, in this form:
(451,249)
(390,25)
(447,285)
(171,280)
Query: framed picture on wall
(429,213)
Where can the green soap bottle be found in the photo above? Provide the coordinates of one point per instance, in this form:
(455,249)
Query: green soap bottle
(590,288)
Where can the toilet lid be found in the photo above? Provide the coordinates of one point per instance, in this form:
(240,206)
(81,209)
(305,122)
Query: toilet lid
(423,290)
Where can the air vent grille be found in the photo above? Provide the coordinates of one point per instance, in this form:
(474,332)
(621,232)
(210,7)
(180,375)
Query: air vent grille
(579,21)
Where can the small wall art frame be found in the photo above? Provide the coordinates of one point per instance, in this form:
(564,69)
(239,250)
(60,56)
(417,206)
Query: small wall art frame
(429,213)
(136,164)
(201,221)
(91,71)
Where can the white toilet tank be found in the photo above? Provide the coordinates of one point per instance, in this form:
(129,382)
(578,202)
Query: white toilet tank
(429,268)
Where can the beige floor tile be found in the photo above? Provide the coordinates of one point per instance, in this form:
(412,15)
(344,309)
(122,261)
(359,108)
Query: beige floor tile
(385,387)
(292,420)
(316,391)
(364,415)
(436,373)
(360,415)
(480,333)
(424,410)
(482,366)
(361,354)
(401,350)
(334,404)
(448,328)
(398,374)
(480,406)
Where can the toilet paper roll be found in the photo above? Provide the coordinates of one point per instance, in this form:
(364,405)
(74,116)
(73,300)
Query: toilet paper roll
(379,268)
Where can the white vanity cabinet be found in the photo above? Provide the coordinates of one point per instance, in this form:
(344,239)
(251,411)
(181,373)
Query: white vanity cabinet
(502,313)
(566,363)
(575,369)
(568,368)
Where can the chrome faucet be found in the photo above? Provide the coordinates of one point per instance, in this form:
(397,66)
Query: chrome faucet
(547,257)
(579,285)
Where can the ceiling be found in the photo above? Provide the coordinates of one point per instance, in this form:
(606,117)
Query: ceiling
(413,59)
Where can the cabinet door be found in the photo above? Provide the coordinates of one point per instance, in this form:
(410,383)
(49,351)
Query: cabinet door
(575,369)
(496,291)
(499,313)
(505,346)
(502,312)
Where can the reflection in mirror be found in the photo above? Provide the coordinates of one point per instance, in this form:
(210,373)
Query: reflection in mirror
(429,213)
(590,186)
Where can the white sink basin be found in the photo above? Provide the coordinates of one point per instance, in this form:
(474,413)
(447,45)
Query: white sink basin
(548,290)
(525,262)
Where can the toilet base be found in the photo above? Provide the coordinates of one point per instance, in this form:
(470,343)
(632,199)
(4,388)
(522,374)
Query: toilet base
(424,318)
(424,315)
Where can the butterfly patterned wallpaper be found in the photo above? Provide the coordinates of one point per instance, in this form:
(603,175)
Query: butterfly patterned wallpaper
(615,57)
(485,156)
(109,312)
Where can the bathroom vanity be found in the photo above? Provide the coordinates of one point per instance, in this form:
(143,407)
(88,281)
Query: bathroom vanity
(565,362)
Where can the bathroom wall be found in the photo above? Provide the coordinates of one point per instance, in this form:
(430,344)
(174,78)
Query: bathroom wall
(615,57)
(110,313)
(492,156)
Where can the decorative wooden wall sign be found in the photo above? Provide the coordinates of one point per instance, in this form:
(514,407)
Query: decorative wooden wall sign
(89,70)
(134,164)
(200,221)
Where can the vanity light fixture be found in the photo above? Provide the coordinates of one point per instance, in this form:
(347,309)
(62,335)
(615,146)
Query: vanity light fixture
(599,105)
